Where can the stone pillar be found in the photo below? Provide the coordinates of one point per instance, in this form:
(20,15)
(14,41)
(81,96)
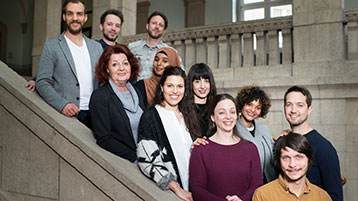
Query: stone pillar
(260,48)
(287,46)
(235,50)
(318,37)
(248,49)
(194,13)
(127,7)
(201,50)
(189,53)
(223,52)
(212,52)
(142,15)
(47,25)
(273,48)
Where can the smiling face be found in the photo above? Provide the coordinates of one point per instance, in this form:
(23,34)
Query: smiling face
(173,91)
(201,90)
(294,165)
(225,115)
(155,28)
(160,62)
(296,109)
(119,69)
(111,27)
(251,111)
(74,17)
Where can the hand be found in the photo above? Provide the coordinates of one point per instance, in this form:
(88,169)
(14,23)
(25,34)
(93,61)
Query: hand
(184,195)
(232,198)
(30,85)
(181,193)
(285,132)
(200,141)
(70,110)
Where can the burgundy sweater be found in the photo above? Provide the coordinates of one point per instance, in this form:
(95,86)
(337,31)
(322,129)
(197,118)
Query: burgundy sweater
(216,171)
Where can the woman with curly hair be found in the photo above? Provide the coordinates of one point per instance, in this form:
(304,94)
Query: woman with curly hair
(253,103)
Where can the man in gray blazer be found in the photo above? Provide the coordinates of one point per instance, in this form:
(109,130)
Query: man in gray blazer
(65,76)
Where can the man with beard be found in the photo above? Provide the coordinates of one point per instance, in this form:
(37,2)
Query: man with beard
(110,25)
(293,156)
(325,171)
(145,49)
(65,76)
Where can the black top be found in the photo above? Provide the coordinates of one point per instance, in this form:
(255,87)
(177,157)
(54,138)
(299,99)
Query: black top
(111,124)
(203,118)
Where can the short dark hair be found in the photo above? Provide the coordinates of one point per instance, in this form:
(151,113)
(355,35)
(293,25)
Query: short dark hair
(251,93)
(115,12)
(296,142)
(155,13)
(211,108)
(169,71)
(72,1)
(303,90)
(102,64)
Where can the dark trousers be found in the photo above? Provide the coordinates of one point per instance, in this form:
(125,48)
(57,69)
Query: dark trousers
(84,117)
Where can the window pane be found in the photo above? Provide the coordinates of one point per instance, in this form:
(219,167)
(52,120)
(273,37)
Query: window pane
(254,14)
(280,11)
(252,1)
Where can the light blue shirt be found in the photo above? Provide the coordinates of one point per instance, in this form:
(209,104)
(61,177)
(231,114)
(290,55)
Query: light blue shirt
(146,55)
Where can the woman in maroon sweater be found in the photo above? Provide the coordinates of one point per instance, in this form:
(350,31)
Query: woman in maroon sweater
(228,167)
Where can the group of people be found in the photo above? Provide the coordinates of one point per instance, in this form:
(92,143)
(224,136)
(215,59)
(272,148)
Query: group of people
(142,106)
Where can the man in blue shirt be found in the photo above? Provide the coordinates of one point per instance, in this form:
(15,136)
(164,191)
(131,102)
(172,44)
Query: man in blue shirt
(325,170)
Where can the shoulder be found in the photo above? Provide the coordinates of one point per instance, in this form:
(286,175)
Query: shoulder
(319,191)
(101,92)
(268,188)
(151,113)
(93,44)
(140,84)
(318,141)
(135,44)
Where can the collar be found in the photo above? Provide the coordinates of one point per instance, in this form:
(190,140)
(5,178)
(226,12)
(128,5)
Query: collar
(287,189)
(158,46)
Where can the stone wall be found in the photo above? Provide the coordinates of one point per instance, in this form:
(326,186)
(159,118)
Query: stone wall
(47,156)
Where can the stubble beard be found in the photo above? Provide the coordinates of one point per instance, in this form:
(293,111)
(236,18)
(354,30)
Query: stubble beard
(152,36)
(108,38)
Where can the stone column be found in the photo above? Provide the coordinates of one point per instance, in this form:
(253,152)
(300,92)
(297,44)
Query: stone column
(260,48)
(142,15)
(127,7)
(318,37)
(194,13)
(47,25)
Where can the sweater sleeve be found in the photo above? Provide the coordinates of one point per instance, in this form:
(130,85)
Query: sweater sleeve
(256,174)
(198,178)
(151,157)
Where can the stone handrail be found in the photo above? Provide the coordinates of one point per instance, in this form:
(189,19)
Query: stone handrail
(232,44)
(47,156)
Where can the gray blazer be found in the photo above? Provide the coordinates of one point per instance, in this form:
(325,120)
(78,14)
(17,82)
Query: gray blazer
(56,79)
(264,144)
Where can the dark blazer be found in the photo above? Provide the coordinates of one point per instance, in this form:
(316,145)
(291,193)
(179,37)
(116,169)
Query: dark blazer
(111,124)
(141,89)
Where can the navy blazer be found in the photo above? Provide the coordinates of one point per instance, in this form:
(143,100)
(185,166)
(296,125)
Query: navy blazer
(110,122)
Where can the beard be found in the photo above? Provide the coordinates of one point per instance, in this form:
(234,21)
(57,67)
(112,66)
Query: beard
(153,36)
(108,38)
(74,31)
(292,124)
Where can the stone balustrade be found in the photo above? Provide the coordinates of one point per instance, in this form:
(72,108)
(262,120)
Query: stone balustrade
(252,43)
